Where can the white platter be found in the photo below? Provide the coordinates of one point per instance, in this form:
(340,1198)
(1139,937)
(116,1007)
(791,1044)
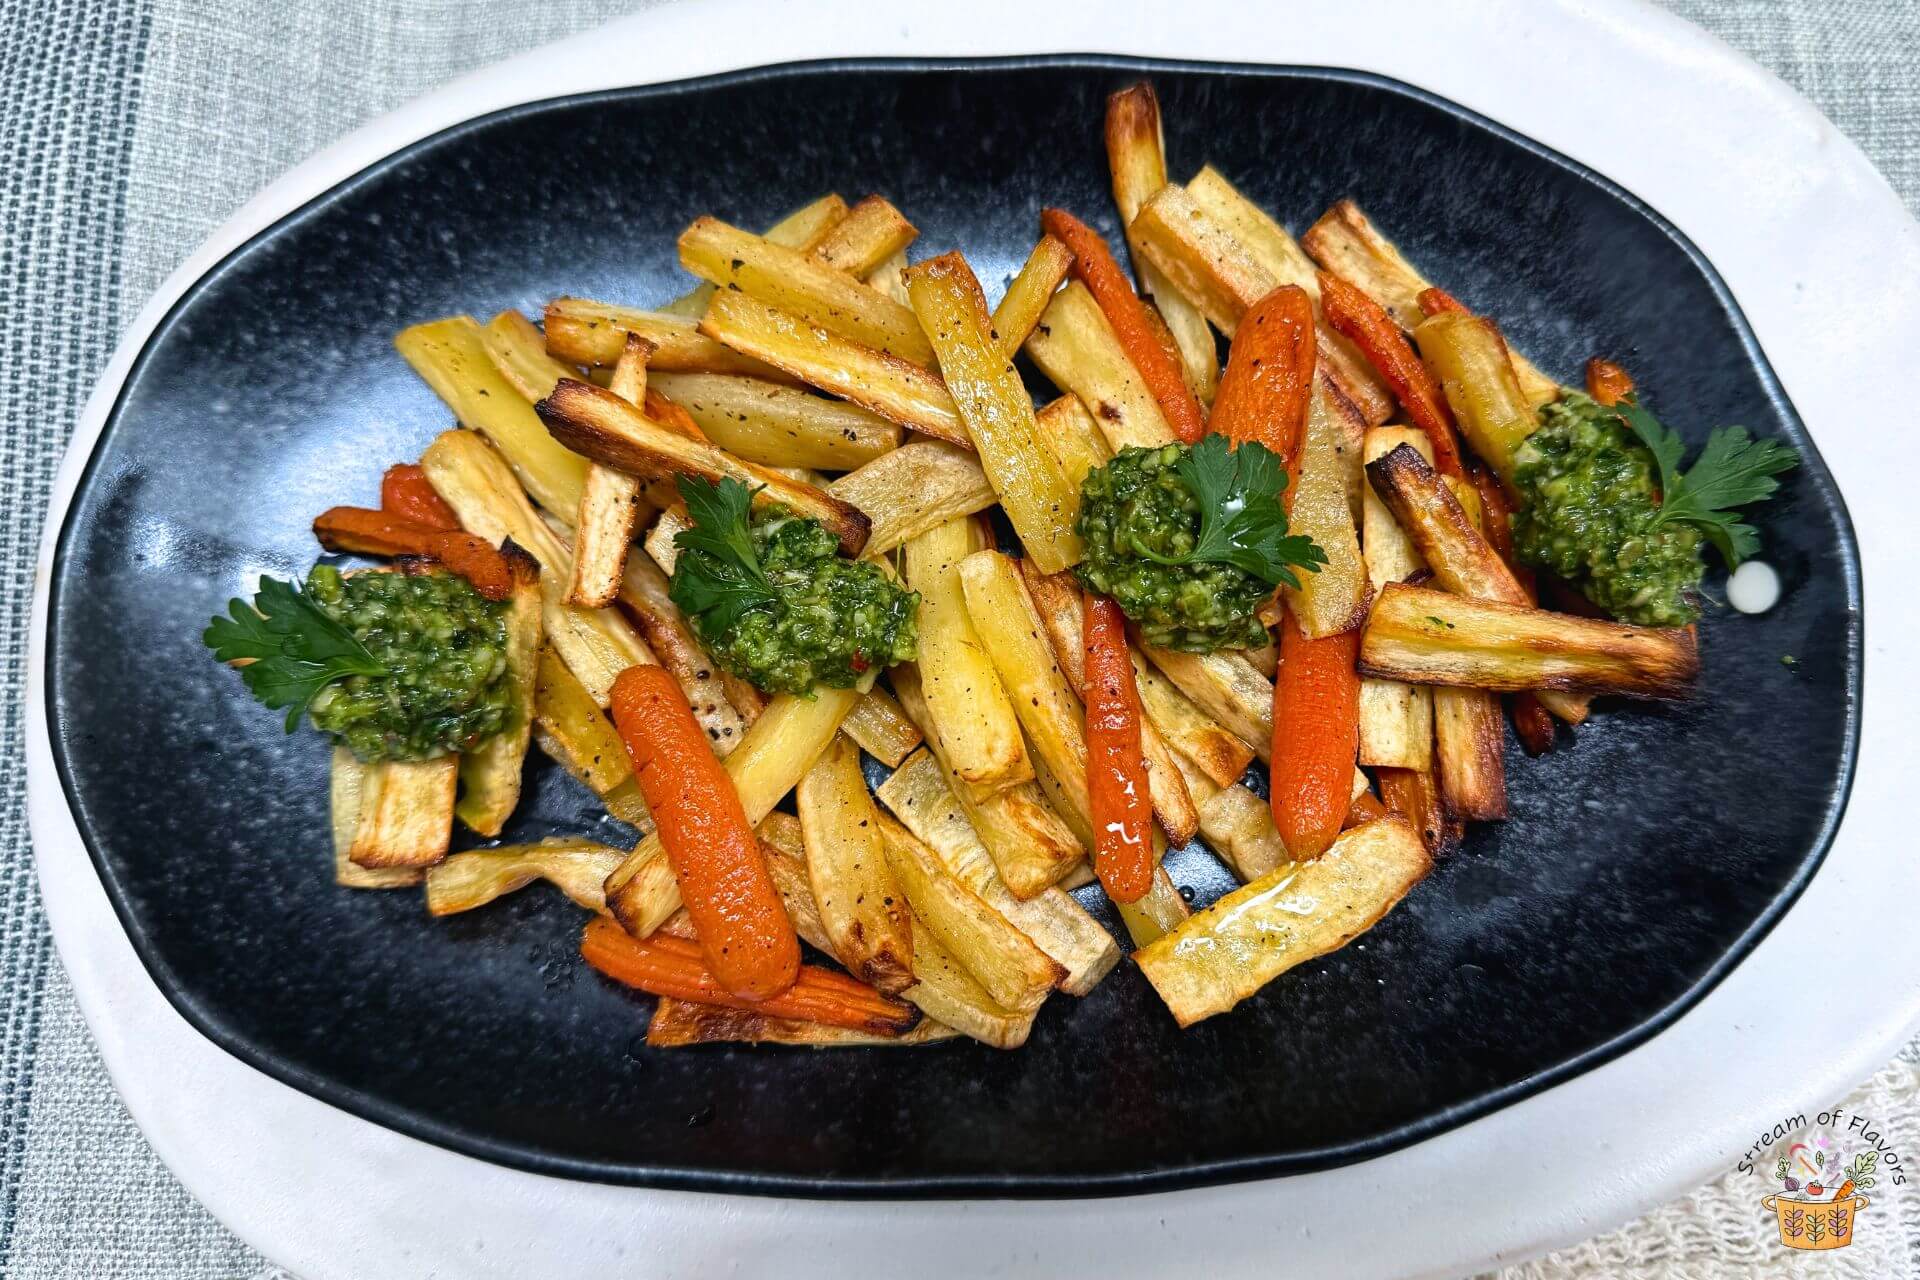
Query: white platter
(1826,265)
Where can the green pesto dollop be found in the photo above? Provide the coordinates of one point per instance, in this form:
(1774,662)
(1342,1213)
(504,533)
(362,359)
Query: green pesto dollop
(1589,495)
(833,620)
(445,650)
(1136,502)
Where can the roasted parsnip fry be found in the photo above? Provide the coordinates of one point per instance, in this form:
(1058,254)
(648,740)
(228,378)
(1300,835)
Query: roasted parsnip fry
(1015,972)
(1026,298)
(610,500)
(1268,243)
(406,813)
(1194,734)
(490,773)
(808,289)
(1201,257)
(473,879)
(1346,243)
(1076,347)
(678,1023)
(1069,433)
(1136,157)
(451,357)
(1468,356)
(571,728)
(582,331)
(346,785)
(1237,824)
(1226,687)
(970,707)
(615,433)
(776,753)
(913,489)
(644,592)
(519,353)
(783,843)
(1224,954)
(1062,612)
(1155,916)
(1396,719)
(872,232)
(803,229)
(1469,739)
(1448,539)
(997,410)
(1414,794)
(880,728)
(949,995)
(1333,599)
(1031,845)
(597,644)
(779,426)
(919,795)
(890,278)
(863,910)
(896,389)
(1417,633)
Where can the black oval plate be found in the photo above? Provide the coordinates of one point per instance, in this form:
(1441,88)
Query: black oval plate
(1638,866)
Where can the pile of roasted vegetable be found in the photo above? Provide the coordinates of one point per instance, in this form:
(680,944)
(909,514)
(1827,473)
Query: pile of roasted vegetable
(706,556)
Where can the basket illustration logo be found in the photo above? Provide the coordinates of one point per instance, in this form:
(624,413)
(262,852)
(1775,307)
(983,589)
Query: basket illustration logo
(1821,1193)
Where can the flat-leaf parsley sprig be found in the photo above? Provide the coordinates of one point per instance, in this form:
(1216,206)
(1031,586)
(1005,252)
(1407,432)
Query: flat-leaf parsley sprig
(291,647)
(728,580)
(1241,520)
(1733,470)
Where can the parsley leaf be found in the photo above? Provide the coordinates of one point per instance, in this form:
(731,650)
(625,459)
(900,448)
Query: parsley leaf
(725,580)
(1241,520)
(294,648)
(1733,470)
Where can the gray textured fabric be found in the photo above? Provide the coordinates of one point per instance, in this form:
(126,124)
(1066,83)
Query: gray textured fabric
(133,128)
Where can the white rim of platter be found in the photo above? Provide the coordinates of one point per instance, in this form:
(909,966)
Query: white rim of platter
(1825,263)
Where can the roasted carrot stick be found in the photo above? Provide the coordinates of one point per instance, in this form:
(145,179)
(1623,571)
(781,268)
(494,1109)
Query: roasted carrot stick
(377,533)
(1316,734)
(406,492)
(1414,794)
(1436,300)
(1607,382)
(1367,325)
(749,941)
(1366,807)
(1268,381)
(1116,767)
(1094,264)
(668,966)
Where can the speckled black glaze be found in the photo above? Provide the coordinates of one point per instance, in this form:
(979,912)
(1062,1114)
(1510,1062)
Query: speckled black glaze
(1638,865)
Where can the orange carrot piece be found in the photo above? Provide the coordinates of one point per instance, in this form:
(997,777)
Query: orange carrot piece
(406,492)
(379,533)
(1436,300)
(1116,767)
(669,966)
(1607,382)
(1414,794)
(749,942)
(1094,264)
(1367,325)
(1316,734)
(1365,808)
(1268,382)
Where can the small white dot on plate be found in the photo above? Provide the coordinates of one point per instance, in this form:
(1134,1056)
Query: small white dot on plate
(1754,587)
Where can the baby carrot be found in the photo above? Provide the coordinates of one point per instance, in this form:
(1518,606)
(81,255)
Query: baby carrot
(1268,381)
(1607,382)
(1094,264)
(380,533)
(1367,325)
(748,940)
(1316,734)
(668,966)
(1116,768)
(1436,301)
(406,492)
